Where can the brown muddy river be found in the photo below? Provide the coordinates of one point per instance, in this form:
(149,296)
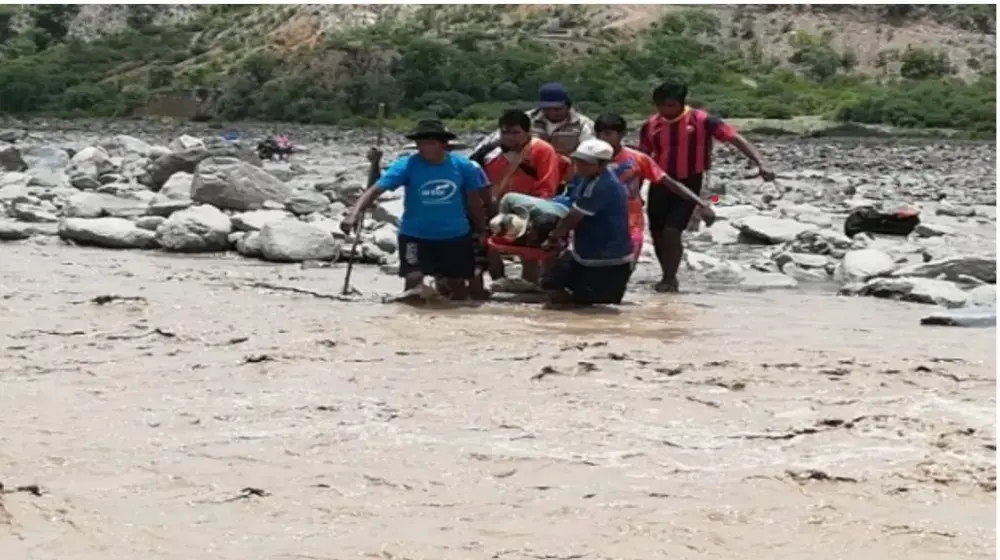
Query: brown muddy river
(210,419)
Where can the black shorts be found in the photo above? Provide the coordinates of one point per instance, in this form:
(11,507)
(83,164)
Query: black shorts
(588,285)
(445,258)
(666,209)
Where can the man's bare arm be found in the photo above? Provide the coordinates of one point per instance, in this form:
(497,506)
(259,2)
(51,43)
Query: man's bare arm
(679,189)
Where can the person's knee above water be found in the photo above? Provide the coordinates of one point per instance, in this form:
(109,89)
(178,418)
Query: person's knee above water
(680,140)
(441,210)
(596,268)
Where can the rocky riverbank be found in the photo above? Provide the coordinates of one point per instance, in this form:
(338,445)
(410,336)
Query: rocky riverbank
(156,189)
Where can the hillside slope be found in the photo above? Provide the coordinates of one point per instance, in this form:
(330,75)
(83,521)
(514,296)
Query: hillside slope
(329,62)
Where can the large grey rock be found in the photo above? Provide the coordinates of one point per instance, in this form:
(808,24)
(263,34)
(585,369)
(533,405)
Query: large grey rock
(83,180)
(14,192)
(94,205)
(91,154)
(15,231)
(33,213)
(386,239)
(925,229)
(801,260)
(735,212)
(820,242)
(249,244)
(961,318)
(11,160)
(86,167)
(45,157)
(12,135)
(200,229)
(152,223)
(257,219)
(954,268)
(84,205)
(233,184)
(173,196)
(947,209)
(178,187)
(111,233)
(863,264)
(305,202)
(772,231)
(185,142)
(983,296)
(756,280)
(804,274)
(388,211)
(163,167)
(295,241)
(342,189)
(48,178)
(918,290)
(128,144)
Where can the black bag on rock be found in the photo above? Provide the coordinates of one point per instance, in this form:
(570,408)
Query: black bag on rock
(871,220)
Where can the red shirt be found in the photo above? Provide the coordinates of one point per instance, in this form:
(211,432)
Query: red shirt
(632,167)
(683,146)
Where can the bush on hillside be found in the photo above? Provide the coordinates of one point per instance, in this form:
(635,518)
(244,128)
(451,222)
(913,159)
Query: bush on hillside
(470,75)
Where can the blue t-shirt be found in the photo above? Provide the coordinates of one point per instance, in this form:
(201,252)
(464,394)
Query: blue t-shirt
(602,236)
(434,199)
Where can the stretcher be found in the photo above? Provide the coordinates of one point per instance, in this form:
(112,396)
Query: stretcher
(527,253)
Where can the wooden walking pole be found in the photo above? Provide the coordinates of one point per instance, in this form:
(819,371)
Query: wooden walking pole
(372,177)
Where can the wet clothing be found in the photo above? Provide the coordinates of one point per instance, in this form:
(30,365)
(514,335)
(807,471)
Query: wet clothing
(588,285)
(602,237)
(666,209)
(434,201)
(683,146)
(632,167)
(597,267)
(442,258)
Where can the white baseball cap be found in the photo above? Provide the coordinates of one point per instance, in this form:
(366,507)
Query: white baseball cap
(594,151)
(509,227)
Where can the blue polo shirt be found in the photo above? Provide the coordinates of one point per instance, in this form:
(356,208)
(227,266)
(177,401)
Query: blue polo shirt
(602,236)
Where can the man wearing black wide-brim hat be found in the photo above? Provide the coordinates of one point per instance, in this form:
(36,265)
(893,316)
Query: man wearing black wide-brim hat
(441,194)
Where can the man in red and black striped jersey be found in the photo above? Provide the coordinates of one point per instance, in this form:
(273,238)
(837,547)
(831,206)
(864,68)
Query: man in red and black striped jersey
(680,140)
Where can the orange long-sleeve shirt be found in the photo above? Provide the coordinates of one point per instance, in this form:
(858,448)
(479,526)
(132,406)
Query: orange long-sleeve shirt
(537,175)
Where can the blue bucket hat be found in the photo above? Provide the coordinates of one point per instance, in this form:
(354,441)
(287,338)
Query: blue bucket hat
(553,95)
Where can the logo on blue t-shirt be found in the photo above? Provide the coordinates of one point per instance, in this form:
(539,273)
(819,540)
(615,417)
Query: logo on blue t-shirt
(437,191)
(434,199)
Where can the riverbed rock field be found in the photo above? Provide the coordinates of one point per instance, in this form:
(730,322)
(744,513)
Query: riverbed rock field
(186,193)
(181,378)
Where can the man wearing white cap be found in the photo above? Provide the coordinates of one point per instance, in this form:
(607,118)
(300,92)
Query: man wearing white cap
(597,267)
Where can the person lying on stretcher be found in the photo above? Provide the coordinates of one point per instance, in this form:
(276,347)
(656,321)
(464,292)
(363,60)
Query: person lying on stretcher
(596,267)
(526,221)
